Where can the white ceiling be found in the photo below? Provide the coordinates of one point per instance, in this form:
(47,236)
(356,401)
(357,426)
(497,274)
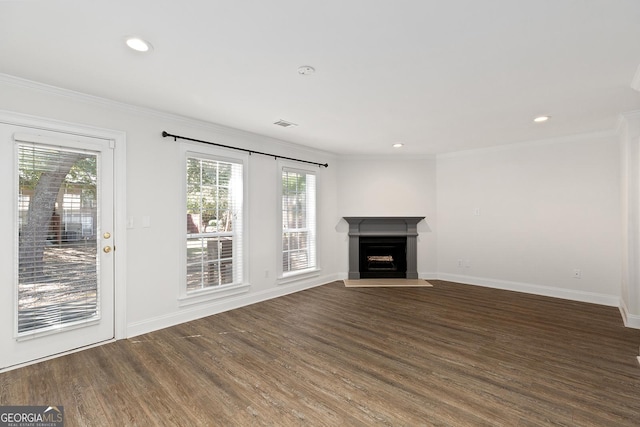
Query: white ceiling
(437,75)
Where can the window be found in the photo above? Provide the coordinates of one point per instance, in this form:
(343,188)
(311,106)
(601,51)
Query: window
(298,221)
(214,202)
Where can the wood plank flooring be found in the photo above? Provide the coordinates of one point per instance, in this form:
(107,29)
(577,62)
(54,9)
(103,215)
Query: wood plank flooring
(451,355)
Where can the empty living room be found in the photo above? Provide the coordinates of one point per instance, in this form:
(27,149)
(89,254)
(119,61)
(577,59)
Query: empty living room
(327,214)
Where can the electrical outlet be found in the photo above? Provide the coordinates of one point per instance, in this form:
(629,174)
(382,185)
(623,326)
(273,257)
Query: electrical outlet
(476,211)
(467,263)
(577,273)
(460,263)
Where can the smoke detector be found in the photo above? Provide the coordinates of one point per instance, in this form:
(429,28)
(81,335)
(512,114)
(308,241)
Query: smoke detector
(306,70)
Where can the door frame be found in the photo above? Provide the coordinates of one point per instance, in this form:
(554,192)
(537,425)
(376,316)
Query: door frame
(118,140)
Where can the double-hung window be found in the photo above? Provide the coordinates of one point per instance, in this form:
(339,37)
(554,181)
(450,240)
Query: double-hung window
(214,203)
(298,193)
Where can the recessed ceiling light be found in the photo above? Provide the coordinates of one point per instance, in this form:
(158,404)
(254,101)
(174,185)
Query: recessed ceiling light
(398,145)
(137,44)
(541,119)
(306,70)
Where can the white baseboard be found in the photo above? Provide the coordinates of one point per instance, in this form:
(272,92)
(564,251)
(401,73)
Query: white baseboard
(194,312)
(630,320)
(428,276)
(530,288)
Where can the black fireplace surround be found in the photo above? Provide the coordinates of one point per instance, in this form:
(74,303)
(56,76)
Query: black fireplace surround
(381,247)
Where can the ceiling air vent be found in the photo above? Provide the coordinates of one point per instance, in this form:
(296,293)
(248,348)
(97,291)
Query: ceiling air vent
(285,124)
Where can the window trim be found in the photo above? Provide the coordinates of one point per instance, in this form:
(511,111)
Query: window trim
(191,150)
(287,277)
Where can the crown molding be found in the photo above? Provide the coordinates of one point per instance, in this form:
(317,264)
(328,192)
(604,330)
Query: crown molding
(627,120)
(387,157)
(629,115)
(635,82)
(158,114)
(533,143)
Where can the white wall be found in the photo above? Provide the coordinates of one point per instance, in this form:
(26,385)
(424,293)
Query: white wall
(390,187)
(154,189)
(630,204)
(544,208)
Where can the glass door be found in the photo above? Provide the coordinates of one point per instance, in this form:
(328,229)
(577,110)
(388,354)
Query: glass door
(62,294)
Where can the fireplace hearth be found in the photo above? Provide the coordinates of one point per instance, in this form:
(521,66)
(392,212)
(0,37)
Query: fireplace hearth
(383,247)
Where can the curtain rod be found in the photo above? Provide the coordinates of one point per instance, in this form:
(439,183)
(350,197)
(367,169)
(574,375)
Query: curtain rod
(275,156)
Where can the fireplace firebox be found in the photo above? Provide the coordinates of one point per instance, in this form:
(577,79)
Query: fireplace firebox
(383,247)
(383,256)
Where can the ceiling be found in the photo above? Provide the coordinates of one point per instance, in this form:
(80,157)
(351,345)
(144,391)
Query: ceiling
(438,76)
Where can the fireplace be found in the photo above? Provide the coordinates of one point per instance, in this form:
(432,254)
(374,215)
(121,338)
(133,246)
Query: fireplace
(383,247)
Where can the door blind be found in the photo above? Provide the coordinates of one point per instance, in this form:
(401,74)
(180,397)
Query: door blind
(57,223)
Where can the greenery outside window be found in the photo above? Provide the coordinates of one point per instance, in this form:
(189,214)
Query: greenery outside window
(298,221)
(214,217)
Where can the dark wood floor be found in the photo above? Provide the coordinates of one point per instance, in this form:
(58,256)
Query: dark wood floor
(451,355)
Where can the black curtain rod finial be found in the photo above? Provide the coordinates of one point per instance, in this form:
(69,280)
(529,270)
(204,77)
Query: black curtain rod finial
(165,134)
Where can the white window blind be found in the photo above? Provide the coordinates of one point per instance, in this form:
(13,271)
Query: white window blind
(298,221)
(214,223)
(57,262)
